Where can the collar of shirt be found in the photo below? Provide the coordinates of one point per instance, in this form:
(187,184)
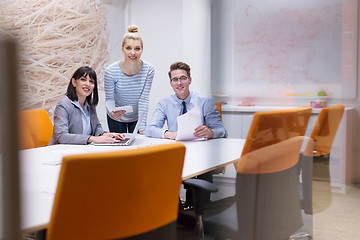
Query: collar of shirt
(87,106)
(178,100)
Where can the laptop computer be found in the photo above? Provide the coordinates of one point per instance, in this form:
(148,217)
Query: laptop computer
(127,141)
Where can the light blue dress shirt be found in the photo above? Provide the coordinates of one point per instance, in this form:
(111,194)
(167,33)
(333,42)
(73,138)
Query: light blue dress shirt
(169,108)
(85,116)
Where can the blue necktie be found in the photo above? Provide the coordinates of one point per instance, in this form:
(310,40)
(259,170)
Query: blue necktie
(184,107)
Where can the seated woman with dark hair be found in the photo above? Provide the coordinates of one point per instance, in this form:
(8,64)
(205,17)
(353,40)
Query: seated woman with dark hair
(75,118)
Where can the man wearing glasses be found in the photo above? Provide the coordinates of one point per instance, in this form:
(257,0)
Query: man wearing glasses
(169,108)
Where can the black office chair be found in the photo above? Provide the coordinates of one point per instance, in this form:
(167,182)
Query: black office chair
(198,194)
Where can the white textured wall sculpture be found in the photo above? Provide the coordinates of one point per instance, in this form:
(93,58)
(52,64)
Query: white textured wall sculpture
(55,38)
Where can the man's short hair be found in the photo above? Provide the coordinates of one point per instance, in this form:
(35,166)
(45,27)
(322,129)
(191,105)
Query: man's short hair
(179,65)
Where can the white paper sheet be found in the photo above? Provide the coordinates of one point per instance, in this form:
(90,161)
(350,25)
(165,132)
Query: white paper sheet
(187,123)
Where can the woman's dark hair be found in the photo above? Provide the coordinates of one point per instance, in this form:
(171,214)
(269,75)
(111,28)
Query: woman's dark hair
(85,71)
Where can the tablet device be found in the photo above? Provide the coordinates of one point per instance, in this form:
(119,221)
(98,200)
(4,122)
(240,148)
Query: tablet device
(128,108)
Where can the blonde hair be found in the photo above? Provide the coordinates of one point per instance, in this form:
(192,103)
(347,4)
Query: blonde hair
(132,34)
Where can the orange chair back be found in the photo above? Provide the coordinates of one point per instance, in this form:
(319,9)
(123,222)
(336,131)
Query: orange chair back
(325,129)
(218,108)
(114,195)
(272,136)
(36,128)
(26,140)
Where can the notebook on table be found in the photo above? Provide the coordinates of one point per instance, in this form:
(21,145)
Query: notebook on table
(131,136)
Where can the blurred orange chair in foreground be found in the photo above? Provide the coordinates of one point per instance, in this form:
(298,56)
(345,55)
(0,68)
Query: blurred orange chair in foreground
(118,195)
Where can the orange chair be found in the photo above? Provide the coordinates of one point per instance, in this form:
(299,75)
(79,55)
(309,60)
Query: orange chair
(25,138)
(270,127)
(36,128)
(219,170)
(325,129)
(315,160)
(267,198)
(268,201)
(130,194)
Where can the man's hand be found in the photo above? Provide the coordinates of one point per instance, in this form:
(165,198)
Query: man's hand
(203,132)
(170,135)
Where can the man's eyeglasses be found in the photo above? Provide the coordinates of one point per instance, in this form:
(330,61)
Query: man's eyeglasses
(176,80)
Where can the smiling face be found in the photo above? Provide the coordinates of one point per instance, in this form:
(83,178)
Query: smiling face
(132,50)
(180,82)
(84,86)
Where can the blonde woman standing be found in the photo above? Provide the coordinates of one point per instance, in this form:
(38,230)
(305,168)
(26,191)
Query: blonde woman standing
(128,83)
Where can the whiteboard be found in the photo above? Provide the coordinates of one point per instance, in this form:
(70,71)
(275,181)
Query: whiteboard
(300,46)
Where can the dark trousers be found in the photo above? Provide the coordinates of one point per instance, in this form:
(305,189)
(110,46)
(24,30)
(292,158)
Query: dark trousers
(120,127)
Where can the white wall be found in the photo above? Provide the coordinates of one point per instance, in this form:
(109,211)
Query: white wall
(221,48)
(177,30)
(196,36)
(116,20)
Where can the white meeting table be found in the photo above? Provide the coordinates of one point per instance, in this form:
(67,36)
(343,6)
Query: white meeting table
(40,168)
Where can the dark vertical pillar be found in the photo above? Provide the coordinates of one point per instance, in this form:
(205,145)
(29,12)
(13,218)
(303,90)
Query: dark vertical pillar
(10,218)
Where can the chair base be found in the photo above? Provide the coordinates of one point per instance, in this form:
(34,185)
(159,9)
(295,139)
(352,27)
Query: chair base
(301,236)
(186,218)
(199,227)
(190,220)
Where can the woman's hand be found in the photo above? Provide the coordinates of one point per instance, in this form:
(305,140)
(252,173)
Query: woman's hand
(117,114)
(114,135)
(142,132)
(106,138)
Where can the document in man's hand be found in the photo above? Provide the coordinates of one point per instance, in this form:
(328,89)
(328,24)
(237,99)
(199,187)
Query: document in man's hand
(187,123)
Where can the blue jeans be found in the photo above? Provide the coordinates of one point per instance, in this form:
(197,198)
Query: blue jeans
(120,127)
